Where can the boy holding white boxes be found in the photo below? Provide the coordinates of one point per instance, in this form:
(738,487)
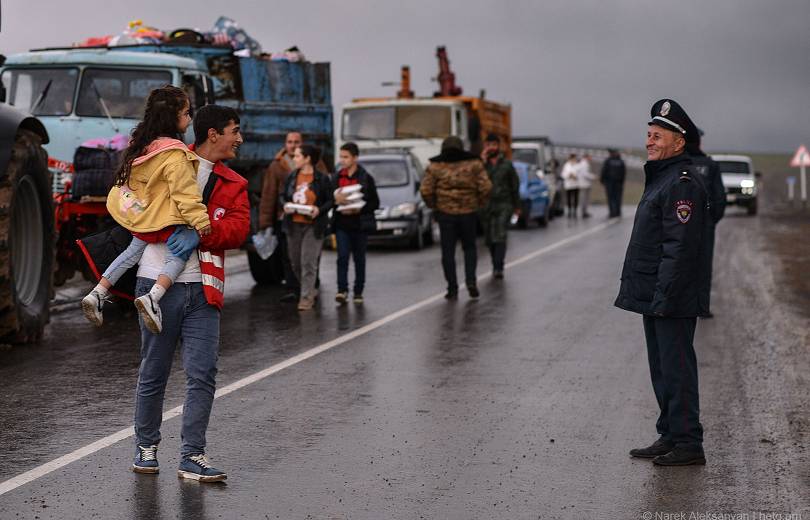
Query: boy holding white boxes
(356,200)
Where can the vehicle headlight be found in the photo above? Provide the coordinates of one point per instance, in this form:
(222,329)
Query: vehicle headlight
(403,210)
(746,183)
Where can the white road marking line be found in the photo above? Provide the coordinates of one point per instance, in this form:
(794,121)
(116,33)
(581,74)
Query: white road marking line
(105,442)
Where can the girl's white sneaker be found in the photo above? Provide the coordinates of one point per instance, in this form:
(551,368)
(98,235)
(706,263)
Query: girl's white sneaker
(150,313)
(92,305)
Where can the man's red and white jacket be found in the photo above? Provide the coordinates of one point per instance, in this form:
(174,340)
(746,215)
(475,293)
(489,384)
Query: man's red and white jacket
(229,211)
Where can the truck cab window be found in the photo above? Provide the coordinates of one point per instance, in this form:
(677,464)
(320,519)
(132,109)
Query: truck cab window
(401,122)
(195,89)
(43,92)
(123,91)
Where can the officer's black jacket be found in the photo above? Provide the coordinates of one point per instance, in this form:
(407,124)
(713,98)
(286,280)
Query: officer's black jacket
(662,268)
(710,171)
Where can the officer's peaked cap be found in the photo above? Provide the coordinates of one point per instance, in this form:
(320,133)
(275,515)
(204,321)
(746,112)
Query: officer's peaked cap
(667,113)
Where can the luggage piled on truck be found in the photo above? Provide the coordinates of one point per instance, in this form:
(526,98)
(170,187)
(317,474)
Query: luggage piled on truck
(95,169)
(225,33)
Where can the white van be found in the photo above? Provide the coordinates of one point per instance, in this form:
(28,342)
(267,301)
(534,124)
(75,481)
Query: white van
(739,179)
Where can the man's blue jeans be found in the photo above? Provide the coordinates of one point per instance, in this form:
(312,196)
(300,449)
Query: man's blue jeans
(354,244)
(189,319)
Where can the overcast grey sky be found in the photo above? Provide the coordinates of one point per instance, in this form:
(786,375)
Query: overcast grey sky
(578,71)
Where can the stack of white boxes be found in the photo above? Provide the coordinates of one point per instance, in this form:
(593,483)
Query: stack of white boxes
(354,196)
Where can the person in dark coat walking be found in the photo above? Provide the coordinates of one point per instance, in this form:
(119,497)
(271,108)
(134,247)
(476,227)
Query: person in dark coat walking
(661,280)
(352,225)
(612,178)
(504,201)
(710,171)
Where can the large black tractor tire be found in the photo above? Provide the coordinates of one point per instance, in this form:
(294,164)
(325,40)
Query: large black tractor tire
(266,272)
(26,242)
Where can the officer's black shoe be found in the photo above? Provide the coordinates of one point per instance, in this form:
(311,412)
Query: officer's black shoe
(452,294)
(681,456)
(497,274)
(659,447)
(473,290)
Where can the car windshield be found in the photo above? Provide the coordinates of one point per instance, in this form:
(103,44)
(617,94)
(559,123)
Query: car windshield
(734,167)
(123,92)
(400,122)
(527,155)
(42,92)
(387,172)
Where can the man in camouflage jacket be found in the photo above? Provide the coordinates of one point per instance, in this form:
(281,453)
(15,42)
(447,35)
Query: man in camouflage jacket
(457,187)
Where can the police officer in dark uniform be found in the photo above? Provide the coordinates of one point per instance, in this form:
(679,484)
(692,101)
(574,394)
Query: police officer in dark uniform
(710,171)
(661,280)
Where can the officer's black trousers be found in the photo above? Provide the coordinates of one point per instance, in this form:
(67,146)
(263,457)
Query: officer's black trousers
(613,191)
(673,368)
(452,229)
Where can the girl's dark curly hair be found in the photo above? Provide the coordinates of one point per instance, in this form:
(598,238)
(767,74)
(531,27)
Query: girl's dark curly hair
(159,120)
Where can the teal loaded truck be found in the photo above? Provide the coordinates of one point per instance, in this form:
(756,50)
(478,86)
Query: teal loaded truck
(96,93)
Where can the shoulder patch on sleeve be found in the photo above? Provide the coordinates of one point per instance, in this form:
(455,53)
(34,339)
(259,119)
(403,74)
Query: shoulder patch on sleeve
(683,210)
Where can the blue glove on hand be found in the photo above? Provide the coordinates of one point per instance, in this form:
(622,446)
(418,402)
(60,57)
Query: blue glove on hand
(183,242)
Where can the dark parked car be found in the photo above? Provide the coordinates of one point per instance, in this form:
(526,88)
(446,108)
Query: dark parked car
(403,216)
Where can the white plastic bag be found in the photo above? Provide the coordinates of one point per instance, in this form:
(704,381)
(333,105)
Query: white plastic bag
(265,242)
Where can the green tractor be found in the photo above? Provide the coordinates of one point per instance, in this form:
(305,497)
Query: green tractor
(26,227)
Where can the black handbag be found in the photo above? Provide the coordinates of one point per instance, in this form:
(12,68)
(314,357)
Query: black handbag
(100,249)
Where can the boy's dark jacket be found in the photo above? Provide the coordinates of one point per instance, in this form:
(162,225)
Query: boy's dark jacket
(363,221)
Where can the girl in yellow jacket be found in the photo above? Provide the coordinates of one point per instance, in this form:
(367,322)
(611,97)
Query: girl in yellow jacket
(155,190)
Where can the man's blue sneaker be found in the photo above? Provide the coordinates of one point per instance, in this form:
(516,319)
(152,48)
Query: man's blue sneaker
(198,467)
(146,460)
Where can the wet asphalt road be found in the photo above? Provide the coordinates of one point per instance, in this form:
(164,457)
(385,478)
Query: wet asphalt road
(520,405)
